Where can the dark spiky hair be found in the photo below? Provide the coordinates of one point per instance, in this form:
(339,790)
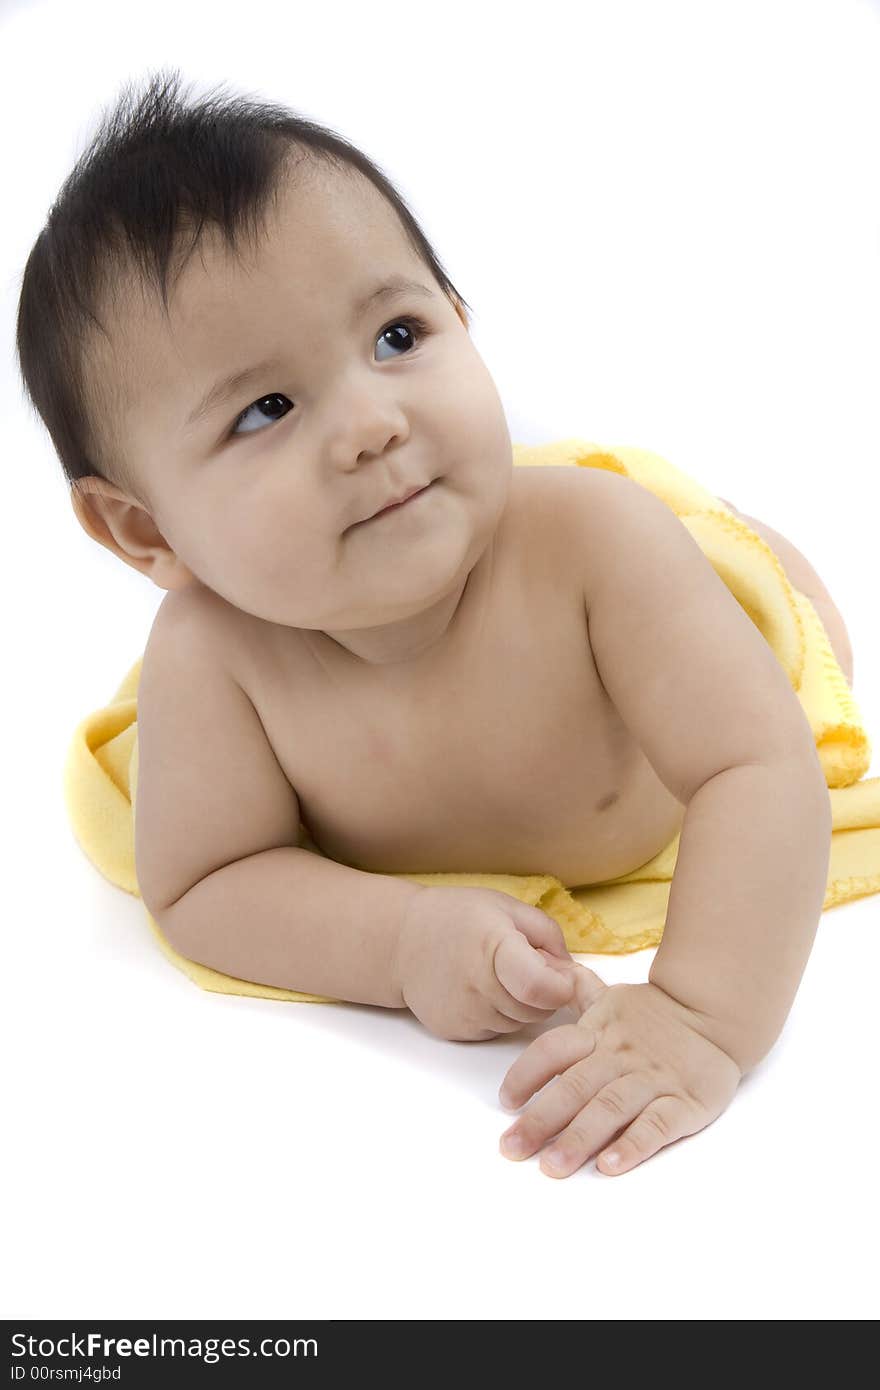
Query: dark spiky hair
(158,167)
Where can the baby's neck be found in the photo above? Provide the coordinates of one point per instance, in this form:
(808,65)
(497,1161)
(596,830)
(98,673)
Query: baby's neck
(428,636)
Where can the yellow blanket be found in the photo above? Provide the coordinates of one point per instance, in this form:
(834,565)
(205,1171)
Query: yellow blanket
(627,914)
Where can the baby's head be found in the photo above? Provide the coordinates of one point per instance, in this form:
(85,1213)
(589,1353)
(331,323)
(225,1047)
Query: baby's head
(358,389)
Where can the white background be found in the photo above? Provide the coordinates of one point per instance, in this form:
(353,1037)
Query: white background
(667,219)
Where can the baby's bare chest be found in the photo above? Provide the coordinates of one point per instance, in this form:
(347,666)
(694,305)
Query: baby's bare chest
(511,761)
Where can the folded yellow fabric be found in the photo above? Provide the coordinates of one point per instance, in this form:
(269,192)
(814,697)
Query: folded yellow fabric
(628,913)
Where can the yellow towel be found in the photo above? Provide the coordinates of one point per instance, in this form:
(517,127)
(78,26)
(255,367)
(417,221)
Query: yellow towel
(628,913)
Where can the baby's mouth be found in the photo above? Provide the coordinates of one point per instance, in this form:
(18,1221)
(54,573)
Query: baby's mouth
(395,506)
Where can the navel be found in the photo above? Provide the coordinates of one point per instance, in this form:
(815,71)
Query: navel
(607,801)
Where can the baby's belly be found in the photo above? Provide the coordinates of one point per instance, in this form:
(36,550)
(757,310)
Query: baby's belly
(533,806)
(581,849)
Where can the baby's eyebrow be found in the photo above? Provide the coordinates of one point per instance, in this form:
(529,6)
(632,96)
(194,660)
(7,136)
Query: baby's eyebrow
(221,390)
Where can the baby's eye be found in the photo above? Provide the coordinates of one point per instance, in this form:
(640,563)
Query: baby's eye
(413,327)
(275,396)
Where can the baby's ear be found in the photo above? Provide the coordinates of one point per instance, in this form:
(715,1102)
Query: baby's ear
(124,527)
(461,311)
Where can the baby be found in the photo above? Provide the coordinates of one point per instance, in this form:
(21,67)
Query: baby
(380,634)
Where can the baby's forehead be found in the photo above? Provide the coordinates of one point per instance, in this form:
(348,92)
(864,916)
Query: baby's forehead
(321,226)
(218,292)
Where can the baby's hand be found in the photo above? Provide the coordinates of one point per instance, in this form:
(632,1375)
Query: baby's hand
(634,1062)
(473,962)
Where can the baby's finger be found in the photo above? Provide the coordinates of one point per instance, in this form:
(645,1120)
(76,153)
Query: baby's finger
(546,1056)
(562,967)
(494,1023)
(584,1113)
(527,977)
(539,929)
(523,1013)
(587,986)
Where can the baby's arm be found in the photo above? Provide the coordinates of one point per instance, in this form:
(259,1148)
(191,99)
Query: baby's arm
(220,870)
(702,691)
(216,831)
(700,688)
(745,901)
(648,1064)
(469,962)
(291,918)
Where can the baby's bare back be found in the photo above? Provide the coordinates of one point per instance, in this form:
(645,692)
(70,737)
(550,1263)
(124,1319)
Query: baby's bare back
(502,755)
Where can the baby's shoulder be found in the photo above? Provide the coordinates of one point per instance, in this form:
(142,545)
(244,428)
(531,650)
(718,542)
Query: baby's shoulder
(563,514)
(196,618)
(557,491)
(203,613)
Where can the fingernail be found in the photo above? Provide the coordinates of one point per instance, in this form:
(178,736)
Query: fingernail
(513,1145)
(555,1158)
(506,1102)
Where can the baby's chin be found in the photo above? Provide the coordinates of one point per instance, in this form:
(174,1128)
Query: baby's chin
(390,611)
(414,593)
